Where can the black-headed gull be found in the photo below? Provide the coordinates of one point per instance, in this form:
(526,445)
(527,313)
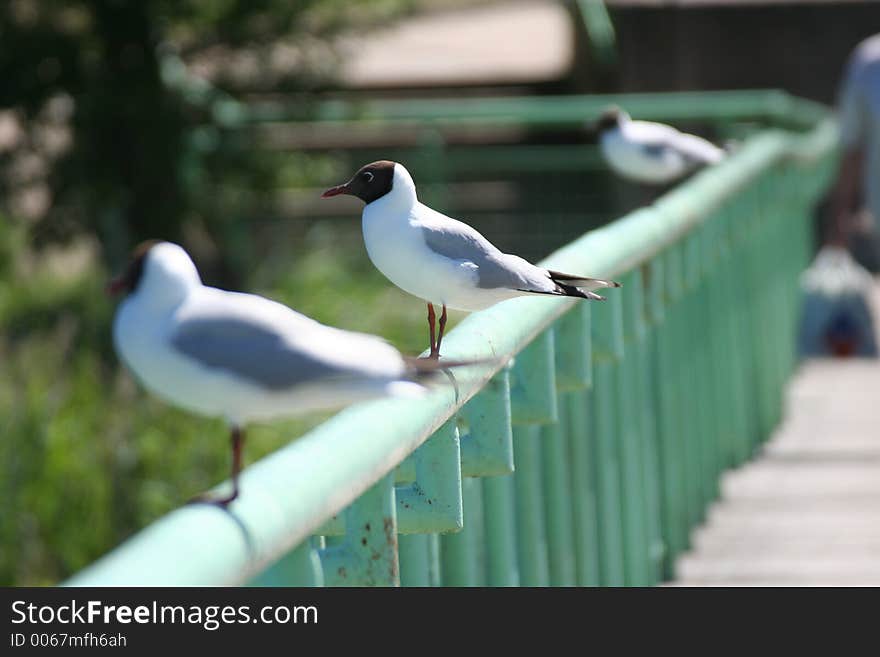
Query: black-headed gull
(648,152)
(440,259)
(239,356)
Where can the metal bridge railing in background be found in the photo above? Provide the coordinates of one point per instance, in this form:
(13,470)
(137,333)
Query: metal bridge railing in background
(587,457)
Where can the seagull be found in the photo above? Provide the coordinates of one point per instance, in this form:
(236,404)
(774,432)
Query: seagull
(648,152)
(441,260)
(243,357)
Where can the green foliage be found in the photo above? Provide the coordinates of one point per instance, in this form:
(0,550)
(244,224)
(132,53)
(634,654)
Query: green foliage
(149,143)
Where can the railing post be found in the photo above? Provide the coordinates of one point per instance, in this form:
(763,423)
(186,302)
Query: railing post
(719,373)
(659,389)
(690,392)
(683,382)
(585,512)
(607,331)
(487,451)
(773,207)
(530,523)
(757,312)
(432,503)
(299,567)
(574,349)
(533,383)
(487,447)
(368,554)
(499,510)
(461,554)
(419,560)
(695,334)
(533,402)
(727,347)
(571,513)
(558,504)
(704,245)
(574,377)
(669,382)
(651,309)
(737,286)
(634,493)
(414,564)
(435,574)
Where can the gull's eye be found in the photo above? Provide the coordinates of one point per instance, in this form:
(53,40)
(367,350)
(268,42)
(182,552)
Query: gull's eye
(368,176)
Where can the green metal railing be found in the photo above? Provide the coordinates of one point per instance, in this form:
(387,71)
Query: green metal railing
(597,23)
(593,447)
(769,105)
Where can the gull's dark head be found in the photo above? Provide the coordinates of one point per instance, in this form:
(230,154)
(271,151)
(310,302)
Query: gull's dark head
(128,281)
(609,119)
(371,182)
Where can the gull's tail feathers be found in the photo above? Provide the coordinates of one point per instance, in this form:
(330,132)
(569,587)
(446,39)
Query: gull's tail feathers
(426,369)
(571,280)
(572,291)
(563,290)
(431,371)
(569,285)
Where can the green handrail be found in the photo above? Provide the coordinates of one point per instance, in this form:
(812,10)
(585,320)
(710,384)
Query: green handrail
(772,105)
(620,416)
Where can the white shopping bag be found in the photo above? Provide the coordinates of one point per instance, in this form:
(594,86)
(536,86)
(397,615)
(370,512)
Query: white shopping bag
(836,316)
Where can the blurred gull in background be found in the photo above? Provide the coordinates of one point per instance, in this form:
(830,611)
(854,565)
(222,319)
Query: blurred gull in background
(243,357)
(652,153)
(440,259)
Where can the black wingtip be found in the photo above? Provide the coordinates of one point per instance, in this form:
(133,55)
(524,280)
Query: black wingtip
(572,291)
(562,278)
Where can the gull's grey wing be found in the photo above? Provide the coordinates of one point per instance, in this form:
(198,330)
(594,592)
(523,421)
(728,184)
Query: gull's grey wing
(657,149)
(251,351)
(457,241)
(693,149)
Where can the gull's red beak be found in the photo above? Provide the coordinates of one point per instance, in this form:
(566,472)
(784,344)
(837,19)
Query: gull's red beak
(115,287)
(335,191)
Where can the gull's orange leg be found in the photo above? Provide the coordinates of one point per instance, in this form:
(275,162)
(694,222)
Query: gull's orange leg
(435,348)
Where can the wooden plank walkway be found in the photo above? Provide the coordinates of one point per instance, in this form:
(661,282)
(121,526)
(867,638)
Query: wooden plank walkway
(807,510)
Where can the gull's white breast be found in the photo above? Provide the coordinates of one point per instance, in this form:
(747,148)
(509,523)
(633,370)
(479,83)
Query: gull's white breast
(396,246)
(624,149)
